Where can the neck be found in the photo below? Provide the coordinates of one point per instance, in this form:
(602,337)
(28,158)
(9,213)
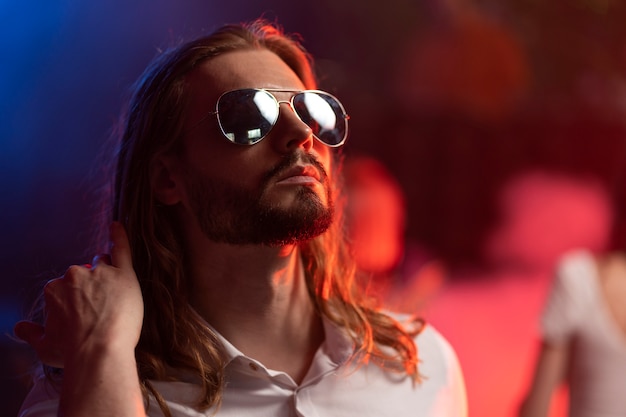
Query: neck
(257,298)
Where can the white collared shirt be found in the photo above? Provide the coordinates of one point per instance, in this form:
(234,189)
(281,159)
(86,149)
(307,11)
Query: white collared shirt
(333,386)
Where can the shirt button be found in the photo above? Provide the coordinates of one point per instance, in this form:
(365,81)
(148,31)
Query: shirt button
(253,366)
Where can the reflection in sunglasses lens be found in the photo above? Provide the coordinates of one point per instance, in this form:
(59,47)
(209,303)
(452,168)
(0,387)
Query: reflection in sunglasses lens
(246,116)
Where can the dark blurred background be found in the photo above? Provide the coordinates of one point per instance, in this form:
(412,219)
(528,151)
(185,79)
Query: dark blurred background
(455,97)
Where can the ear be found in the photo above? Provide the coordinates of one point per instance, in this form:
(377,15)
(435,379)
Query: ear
(165,180)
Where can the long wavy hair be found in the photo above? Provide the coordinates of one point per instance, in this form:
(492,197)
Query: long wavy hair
(173,335)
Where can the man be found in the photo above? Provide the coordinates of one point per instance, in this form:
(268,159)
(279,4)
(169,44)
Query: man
(229,289)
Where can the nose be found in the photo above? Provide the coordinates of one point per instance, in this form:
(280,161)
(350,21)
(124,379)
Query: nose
(290,132)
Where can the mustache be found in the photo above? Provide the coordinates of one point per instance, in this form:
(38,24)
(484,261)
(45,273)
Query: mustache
(292,159)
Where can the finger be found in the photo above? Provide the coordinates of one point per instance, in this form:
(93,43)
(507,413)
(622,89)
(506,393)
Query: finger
(120,248)
(54,283)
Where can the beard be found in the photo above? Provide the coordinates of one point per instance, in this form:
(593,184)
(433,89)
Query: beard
(232,214)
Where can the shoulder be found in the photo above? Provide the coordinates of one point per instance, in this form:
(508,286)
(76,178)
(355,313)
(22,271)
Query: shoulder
(577,260)
(427,336)
(441,373)
(430,337)
(437,357)
(575,271)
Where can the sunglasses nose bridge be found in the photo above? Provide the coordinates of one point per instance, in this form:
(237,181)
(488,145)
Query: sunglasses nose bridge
(289,104)
(294,123)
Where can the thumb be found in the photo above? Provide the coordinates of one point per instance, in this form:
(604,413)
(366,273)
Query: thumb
(29,332)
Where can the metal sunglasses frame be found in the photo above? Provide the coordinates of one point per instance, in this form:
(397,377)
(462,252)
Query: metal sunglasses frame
(290,102)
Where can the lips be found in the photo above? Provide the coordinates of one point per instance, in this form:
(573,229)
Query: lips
(300,171)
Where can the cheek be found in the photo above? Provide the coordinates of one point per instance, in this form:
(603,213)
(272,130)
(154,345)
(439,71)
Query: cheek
(228,165)
(324,155)
(208,155)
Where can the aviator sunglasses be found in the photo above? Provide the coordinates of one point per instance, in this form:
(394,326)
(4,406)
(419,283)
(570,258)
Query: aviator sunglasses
(247,115)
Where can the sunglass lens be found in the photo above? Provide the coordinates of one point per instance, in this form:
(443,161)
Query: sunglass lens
(247,115)
(323,114)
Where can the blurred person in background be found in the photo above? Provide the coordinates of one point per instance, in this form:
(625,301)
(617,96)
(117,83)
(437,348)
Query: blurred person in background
(490,314)
(583,346)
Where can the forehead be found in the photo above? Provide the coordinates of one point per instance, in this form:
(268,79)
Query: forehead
(249,68)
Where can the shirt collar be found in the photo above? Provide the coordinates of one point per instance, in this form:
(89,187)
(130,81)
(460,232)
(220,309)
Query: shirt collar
(337,345)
